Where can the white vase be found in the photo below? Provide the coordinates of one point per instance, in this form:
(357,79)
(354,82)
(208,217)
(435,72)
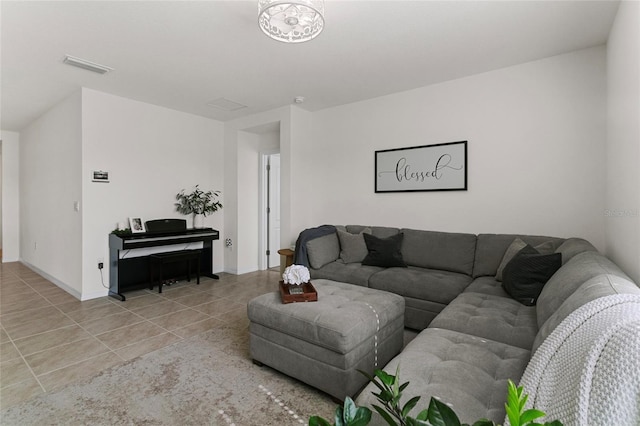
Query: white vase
(198,221)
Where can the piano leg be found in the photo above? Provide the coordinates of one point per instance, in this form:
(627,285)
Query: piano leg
(117,295)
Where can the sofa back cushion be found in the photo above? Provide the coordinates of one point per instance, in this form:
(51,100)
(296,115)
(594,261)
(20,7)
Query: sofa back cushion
(323,250)
(490,250)
(446,251)
(598,286)
(573,246)
(376,231)
(569,277)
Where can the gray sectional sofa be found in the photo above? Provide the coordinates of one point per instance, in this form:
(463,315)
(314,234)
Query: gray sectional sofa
(473,336)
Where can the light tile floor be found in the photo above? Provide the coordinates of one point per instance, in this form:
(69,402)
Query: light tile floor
(49,339)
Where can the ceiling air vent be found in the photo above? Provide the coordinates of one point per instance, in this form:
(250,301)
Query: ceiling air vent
(225,104)
(86,65)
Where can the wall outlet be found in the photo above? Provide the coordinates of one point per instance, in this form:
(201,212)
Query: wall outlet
(100,263)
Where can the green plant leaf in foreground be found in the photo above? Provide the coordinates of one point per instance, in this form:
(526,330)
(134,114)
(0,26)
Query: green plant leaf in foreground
(385,378)
(483,422)
(409,405)
(440,414)
(354,415)
(512,406)
(347,415)
(529,416)
(386,416)
(318,421)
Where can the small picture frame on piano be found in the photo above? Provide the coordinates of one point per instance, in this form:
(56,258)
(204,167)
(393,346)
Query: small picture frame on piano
(136,224)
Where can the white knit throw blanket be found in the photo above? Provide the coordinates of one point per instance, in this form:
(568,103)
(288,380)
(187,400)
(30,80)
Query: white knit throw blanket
(587,371)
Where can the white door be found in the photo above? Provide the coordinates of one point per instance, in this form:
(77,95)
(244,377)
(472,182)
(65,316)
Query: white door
(273,211)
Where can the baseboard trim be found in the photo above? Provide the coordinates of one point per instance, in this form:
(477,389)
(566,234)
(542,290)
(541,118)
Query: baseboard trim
(94,295)
(54,280)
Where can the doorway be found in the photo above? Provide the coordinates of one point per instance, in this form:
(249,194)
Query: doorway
(270,211)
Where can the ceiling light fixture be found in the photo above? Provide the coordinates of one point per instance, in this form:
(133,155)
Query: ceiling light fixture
(291,21)
(87,65)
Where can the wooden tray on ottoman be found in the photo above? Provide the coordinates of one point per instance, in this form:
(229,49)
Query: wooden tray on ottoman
(308,294)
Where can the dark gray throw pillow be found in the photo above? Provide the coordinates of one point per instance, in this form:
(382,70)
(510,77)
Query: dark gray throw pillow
(384,252)
(526,274)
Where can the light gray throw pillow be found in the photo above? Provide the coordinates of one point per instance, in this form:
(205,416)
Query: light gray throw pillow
(512,250)
(353,249)
(323,250)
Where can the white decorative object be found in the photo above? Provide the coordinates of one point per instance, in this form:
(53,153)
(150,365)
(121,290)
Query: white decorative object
(296,274)
(198,221)
(291,21)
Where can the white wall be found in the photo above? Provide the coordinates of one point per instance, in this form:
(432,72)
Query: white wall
(151,153)
(245,140)
(10,196)
(0,194)
(250,147)
(234,132)
(301,198)
(622,209)
(536,142)
(50,184)
(248,200)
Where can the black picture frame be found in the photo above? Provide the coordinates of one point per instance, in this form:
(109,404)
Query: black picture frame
(438,167)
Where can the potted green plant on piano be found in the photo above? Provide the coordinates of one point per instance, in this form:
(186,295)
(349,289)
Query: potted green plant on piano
(198,203)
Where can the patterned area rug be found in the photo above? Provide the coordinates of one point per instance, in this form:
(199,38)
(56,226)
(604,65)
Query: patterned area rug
(208,379)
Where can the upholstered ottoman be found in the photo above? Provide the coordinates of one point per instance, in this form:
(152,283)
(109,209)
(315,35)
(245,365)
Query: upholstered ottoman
(324,343)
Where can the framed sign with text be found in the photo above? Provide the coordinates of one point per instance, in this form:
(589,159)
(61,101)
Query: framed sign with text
(440,167)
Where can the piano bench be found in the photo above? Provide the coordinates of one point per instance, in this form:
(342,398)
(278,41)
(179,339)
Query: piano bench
(158,260)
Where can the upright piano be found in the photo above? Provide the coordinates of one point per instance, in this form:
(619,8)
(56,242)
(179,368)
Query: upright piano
(129,255)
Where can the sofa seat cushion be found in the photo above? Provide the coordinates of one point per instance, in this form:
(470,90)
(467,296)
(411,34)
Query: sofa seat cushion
(419,283)
(466,372)
(486,285)
(490,317)
(352,273)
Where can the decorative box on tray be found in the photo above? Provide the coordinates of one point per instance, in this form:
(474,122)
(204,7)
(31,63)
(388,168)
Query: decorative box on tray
(298,293)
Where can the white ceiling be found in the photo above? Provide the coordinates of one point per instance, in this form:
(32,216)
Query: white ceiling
(184,54)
